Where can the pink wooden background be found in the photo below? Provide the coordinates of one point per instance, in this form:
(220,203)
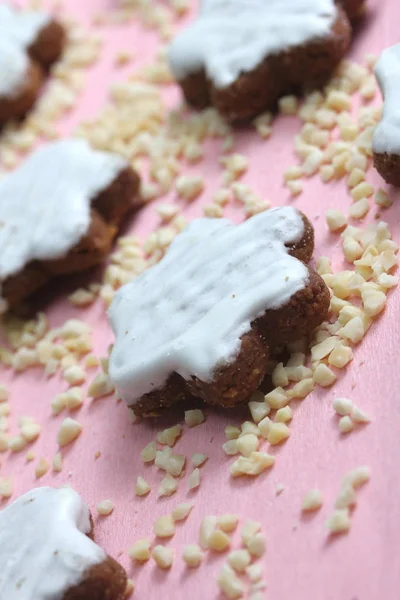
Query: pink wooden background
(301,562)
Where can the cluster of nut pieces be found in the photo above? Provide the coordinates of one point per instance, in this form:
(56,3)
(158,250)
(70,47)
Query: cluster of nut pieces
(215,535)
(67,79)
(67,350)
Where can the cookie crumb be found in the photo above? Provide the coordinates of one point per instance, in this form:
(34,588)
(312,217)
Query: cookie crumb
(194,417)
(163,557)
(105,507)
(313,500)
(192,555)
(70,429)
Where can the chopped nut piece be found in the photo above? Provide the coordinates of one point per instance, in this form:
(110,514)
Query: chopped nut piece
(284,415)
(218,541)
(321,350)
(357,477)
(74,375)
(189,187)
(359,209)
(6,487)
(199,459)
(17,443)
(148,454)
(105,507)
(130,586)
(302,388)
(57,463)
(277,398)
(346,498)
(255,464)
(343,406)
(335,220)
(164,527)
(295,187)
(254,572)
(207,526)
(249,530)
(247,443)
(324,376)
(229,583)
(3,393)
(227,523)
(339,522)
(232,432)
(31,431)
(73,398)
(81,297)
(256,545)
(192,555)
(313,500)
(194,479)
(359,416)
(142,487)
(230,447)
(181,512)
(68,432)
(278,433)
(168,486)
(239,560)
(164,557)
(169,436)
(383,199)
(194,417)
(259,410)
(346,424)
(41,468)
(288,105)
(140,550)
(100,386)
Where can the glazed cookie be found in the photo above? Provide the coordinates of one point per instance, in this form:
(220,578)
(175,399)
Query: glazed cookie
(30,43)
(59,213)
(386,141)
(46,551)
(207,319)
(241,56)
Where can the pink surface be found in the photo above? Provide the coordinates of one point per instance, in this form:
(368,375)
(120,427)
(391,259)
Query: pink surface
(302,562)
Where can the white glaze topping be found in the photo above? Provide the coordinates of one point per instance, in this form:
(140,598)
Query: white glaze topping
(45,203)
(230,37)
(387,72)
(187,313)
(44,549)
(19,29)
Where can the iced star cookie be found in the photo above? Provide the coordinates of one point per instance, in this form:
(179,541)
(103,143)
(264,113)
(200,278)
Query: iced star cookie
(30,42)
(242,55)
(46,551)
(386,141)
(59,213)
(208,317)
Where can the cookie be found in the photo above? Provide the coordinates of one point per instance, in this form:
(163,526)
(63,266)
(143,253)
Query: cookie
(46,550)
(386,140)
(207,318)
(30,43)
(255,52)
(59,214)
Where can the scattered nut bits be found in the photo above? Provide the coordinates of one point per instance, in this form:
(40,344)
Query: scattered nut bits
(192,555)
(41,468)
(70,429)
(227,523)
(229,583)
(164,527)
(100,386)
(140,550)
(142,487)
(255,464)
(198,459)
(75,375)
(57,463)
(182,511)
(6,487)
(339,522)
(148,454)
(194,417)
(194,479)
(105,507)
(168,486)
(313,500)
(169,436)
(163,557)
(218,541)
(239,560)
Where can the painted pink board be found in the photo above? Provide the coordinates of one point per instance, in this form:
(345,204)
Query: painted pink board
(301,561)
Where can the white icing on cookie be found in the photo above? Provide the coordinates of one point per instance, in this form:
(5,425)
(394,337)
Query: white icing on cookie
(231,37)
(44,549)
(187,313)
(45,203)
(387,72)
(19,29)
